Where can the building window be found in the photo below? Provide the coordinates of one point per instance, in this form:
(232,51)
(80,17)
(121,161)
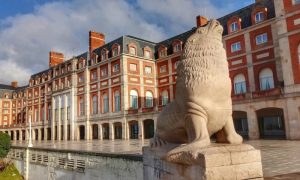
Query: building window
(163,69)
(176,64)
(117,100)
(132,67)
(105,103)
(164,98)
(69,67)
(103,55)
(132,50)
(68,82)
(162,53)
(93,59)
(115,51)
(94,75)
(147,54)
(177,47)
(62,84)
(80,78)
(149,99)
(36,115)
(262,38)
(49,112)
(234,26)
(259,17)
(235,47)
(6,105)
(5,119)
(81,106)
(62,114)
(104,72)
(95,104)
(68,100)
(239,84)
(148,70)
(133,99)
(266,79)
(116,68)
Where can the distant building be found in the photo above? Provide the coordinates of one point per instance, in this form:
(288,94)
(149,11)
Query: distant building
(116,90)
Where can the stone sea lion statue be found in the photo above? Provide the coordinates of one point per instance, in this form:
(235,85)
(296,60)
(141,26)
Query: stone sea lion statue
(202,105)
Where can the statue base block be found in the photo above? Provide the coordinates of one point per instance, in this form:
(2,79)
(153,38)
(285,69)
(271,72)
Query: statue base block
(218,161)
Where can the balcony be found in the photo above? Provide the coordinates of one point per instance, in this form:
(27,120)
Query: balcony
(266,93)
(147,109)
(257,94)
(237,97)
(132,111)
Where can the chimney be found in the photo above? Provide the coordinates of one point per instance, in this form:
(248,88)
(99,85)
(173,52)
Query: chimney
(258,1)
(201,21)
(14,84)
(55,58)
(96,40)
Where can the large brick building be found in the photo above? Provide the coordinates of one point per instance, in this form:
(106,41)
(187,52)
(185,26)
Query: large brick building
(116,89)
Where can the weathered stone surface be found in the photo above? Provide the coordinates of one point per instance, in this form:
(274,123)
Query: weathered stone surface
(217,161)
(202,105)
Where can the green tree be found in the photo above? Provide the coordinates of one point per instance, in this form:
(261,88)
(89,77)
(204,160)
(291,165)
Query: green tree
(5,144)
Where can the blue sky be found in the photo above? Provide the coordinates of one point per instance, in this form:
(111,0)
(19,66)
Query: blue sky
(29,29)
(18,7)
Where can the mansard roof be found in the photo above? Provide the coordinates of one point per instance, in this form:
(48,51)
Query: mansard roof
(168,43)
(245,14)
(7,87)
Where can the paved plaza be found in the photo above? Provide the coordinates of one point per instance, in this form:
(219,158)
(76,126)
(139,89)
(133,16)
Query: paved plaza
(278,156)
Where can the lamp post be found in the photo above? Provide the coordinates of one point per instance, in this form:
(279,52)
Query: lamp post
(29,145)
(30,136)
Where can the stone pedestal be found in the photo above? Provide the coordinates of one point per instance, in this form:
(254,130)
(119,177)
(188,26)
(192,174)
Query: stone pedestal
(218,161)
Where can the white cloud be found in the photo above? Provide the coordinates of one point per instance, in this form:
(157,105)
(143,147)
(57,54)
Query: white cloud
(63,26)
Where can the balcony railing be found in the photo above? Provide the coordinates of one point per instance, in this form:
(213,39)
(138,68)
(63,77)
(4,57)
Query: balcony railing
(147,109)
(257,94)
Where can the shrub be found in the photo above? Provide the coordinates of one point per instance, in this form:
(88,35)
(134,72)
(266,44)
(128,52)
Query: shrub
(4,144)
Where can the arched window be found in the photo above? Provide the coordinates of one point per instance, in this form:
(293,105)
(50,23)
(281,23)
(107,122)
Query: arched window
(234,26)
(6,96)
(147,52)
(105,103)
(104,55)
(134,99)
(117,101)
(177,46)
(149,99)
(81,106)
(115,50)
(239,84)
(132,49)
(266,79)
(95,104)
(68,100)
(259,17)
(162,51)
(49,112)
(164,97)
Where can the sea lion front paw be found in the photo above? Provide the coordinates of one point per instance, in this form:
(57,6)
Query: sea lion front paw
(234,138)
(157,142)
